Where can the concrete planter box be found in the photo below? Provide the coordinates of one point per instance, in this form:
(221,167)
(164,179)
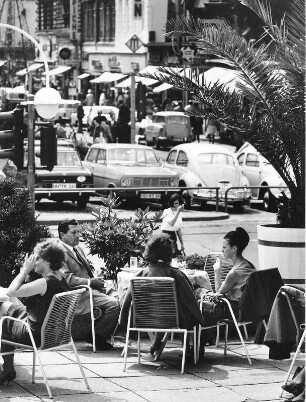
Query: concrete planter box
(282,248)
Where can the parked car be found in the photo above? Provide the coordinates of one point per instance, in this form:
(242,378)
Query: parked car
(90,112)
(167,128)
(67,174)
(126,165)
(260,172)
(204,166)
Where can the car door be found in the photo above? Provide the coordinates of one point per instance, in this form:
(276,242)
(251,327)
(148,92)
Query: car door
(91,163)
(178,127)
(251,168)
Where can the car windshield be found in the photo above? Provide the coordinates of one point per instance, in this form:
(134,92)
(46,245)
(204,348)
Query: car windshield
(132,156)
(68,159)
(216,159)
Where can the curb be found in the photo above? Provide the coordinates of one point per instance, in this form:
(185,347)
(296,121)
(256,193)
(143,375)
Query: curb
(189,216)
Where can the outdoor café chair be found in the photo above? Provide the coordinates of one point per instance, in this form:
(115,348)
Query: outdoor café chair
(256,301)
(55,332)
(154,308)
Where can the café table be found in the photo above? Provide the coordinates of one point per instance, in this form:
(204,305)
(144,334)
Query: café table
(194,276)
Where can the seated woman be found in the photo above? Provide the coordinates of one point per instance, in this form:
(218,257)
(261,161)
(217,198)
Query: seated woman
(158,253)
(47,259)
(233,245)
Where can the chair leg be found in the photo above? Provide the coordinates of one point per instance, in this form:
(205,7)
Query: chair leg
(218,336)
(43,373)
(238,330)
(33,367)
(245,332)
(138,346)
(184,351)
(199,341)
(294,360)
(126,346)
(80,365)
(226,339)
(195,349)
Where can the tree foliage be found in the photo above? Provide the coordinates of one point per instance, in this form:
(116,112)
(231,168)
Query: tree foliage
(19,231)
(268,107)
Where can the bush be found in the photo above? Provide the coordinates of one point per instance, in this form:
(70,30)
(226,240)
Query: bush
(116,239)
(19,231)
(195,261)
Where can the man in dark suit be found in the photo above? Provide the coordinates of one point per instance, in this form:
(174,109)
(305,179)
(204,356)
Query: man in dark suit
(78,271)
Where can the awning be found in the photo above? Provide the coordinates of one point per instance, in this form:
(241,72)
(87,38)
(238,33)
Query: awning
(82,76)
(2,62)
(229,78)
(145,81)
(58,70)
(162,87)
(108,77)
(32,67)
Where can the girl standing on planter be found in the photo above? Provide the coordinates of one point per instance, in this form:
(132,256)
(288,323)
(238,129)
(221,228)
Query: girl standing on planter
(172,222)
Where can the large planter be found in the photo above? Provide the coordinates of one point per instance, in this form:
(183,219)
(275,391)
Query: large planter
(282,248)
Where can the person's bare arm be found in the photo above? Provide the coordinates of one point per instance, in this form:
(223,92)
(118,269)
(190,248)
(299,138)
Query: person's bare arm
(231,279)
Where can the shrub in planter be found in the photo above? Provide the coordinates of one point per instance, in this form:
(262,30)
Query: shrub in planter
(19,231)
(115,239)
(195,261)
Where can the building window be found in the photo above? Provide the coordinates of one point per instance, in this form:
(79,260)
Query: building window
(45,15)
(89,20)
(106,20)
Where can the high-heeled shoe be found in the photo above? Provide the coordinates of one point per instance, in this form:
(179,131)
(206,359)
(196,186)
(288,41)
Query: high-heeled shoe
(7,377)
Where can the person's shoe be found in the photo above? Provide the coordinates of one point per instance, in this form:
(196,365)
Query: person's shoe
(293,388)
(7,377)
(102,344)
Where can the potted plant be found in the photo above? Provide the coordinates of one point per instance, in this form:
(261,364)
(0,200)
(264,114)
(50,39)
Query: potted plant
(19,231)
(115,239)
(267,110)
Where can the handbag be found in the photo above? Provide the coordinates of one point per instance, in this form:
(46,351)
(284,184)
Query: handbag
(213,309)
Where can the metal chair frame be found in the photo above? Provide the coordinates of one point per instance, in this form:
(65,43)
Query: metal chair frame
(294,358)
(55,332)
(165,320)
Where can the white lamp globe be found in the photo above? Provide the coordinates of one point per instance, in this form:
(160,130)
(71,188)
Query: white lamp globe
(47,101)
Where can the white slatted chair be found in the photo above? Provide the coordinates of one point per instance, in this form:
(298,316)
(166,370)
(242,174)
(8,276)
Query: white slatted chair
(55,332)
(155,309)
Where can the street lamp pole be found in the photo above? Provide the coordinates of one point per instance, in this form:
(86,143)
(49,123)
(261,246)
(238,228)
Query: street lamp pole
(46,101)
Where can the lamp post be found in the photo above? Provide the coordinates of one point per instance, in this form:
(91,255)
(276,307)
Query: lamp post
(46,101)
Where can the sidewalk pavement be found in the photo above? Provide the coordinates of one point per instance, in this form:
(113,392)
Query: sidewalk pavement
(215,378)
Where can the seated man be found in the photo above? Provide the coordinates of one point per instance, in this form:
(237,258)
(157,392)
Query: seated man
(77,272)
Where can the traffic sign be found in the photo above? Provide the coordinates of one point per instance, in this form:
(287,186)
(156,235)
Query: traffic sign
(134,43)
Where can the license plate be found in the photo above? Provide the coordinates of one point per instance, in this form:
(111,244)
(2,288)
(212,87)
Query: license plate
(150,196)
(63,185)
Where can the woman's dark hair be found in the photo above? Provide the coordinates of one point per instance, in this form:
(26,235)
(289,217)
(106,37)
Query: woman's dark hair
(53,252)
(175,197)
(238,238)
(158,248)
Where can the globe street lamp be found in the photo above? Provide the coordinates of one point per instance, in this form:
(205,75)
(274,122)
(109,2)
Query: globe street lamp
(46,101)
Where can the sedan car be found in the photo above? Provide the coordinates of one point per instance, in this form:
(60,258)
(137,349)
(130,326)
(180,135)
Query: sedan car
(260,172)
(205,166)
(167,128)
(127,165)
(67,174)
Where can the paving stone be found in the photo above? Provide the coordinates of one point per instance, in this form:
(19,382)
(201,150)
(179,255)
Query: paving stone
(258,392)
(215,394)
(163,382)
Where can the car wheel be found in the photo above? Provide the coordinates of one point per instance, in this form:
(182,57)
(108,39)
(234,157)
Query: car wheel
(156,144)
(269,202)
(203,205)
(82,201)
(237,207)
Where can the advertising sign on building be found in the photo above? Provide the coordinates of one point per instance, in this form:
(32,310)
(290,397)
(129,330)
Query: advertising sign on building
(75,30)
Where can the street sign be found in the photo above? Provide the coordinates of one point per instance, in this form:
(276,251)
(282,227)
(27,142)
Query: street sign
(134,43)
